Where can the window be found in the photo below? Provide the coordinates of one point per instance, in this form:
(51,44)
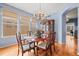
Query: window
(9,23)
(25,21)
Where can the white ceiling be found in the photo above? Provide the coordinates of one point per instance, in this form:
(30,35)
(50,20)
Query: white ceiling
(49,8)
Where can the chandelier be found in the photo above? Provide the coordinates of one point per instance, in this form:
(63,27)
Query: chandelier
(40,15)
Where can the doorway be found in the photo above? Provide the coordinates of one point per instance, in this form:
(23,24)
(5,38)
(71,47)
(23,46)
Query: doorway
(71,20)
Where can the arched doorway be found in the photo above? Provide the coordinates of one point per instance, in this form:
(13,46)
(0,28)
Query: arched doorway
(64,27)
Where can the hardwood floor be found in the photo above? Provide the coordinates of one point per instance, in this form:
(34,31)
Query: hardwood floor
(61,50)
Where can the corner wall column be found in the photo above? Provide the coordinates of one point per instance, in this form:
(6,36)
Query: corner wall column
(1,21)
(78,34)
(18,23)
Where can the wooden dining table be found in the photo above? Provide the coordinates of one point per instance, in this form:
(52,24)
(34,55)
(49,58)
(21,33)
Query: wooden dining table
(35,39)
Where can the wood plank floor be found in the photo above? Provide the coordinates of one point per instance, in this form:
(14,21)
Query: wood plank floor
(61,50)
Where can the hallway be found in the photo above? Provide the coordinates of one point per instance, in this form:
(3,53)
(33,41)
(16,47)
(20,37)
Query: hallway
(71,44)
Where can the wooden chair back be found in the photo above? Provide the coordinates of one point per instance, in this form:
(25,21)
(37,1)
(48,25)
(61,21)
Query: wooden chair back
(48,43)
(51,38)
(18,37)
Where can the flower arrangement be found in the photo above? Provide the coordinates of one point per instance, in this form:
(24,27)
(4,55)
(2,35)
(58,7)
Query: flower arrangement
(38,33)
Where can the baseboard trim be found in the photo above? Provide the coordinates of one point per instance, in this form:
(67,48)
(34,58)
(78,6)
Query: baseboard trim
(61,43)
(8,45)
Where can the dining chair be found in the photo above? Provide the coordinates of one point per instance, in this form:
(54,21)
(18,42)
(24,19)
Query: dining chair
(53,37)
(24,46)
(45,46)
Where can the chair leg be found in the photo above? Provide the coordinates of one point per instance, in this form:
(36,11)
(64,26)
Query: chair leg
(18,52)
(54,47)
(50,50)
(22,53)
(37,51)
(54,51)
(34,51)
(46,52)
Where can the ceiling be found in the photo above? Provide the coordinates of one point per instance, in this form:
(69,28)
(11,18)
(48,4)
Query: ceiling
(49,8)
(72,13)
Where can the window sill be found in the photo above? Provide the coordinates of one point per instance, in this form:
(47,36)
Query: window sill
(8,36)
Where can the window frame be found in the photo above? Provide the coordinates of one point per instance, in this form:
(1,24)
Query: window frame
(22,22)
(11,19)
